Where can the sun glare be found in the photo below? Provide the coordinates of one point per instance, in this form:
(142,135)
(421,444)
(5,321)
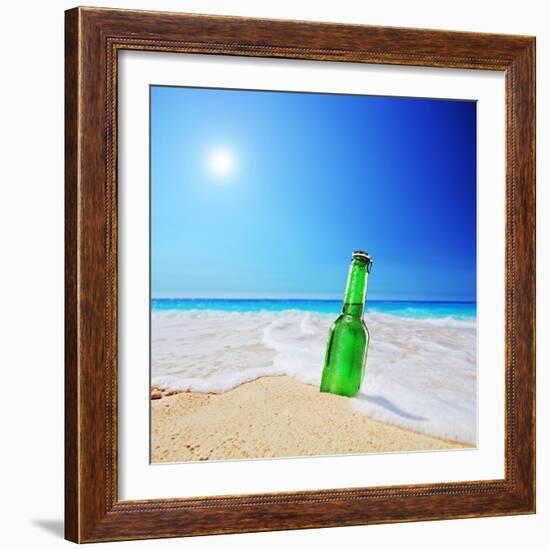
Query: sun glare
(221,162)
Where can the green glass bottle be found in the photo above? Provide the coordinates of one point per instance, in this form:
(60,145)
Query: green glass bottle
(348,337)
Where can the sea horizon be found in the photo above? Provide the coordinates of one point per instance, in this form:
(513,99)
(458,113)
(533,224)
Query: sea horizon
(418,309)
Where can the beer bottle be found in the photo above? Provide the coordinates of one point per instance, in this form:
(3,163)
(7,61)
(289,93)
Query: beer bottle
(348,337)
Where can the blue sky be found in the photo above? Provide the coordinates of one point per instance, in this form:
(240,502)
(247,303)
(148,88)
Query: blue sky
(265,194)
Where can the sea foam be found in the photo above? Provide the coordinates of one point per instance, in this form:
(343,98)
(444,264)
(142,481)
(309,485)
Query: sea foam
(421,373)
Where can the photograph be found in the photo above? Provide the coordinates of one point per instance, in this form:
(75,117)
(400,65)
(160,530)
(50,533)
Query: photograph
(312,274)
(273,274)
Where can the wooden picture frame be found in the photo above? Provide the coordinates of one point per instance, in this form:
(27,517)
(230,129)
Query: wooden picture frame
(93,511)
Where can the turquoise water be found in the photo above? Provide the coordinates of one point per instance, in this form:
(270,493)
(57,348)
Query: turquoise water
(416,310)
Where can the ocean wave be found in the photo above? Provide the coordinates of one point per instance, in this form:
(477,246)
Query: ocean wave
(448,320)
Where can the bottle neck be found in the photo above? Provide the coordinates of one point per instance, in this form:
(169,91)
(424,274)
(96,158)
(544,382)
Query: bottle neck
(356,289)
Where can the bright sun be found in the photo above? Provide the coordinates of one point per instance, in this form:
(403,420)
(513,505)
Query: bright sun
(221,162)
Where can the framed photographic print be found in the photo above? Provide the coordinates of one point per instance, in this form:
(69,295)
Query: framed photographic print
(300,275)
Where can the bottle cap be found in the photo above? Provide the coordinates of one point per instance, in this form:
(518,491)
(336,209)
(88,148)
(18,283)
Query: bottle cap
(361,254)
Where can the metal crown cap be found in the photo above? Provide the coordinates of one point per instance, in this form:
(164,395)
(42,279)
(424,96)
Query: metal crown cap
(362,254)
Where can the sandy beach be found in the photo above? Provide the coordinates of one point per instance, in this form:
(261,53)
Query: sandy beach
(421,377)
(273,416)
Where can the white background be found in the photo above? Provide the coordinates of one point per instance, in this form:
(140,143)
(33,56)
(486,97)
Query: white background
(31,218)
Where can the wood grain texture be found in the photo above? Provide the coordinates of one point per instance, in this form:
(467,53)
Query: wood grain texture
(71,271)
(93,38)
